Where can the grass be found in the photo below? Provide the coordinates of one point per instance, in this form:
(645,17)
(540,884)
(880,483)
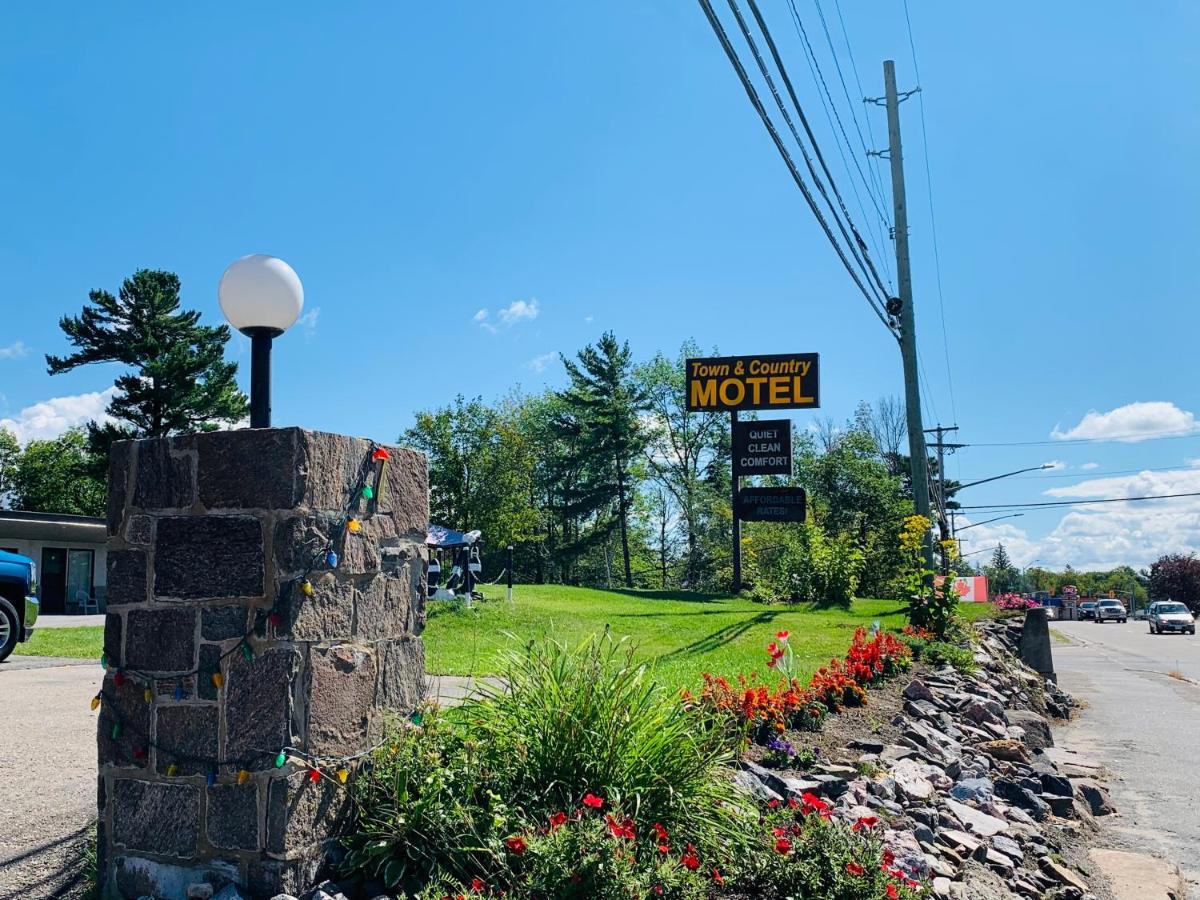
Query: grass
(682,634)
(76,643)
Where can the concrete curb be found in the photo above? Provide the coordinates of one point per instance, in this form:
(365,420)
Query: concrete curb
(1137,876)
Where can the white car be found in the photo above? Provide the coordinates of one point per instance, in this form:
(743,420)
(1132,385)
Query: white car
(1113,610)
(1171,617)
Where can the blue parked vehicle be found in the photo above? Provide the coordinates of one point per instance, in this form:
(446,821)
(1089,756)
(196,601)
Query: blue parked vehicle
(18,600)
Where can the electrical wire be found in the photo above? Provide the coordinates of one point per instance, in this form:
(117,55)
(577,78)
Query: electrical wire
(858,247)
(1103,473)
(937,261)
(756,102)
(1130,437)
(1001,506)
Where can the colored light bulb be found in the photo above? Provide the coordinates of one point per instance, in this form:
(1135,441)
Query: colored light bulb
(104,660)
(211,778)
(116,730)
(343,774)
(368,492)
(119,678)
(218,679)
(314,774)
(331,559)
(148,694)
(415,718)
(380,454)
(275,619)
(243,776)
(179,692)
(280,760)
(95,703)
(172,770)
(247,652)
(139,752)
(354,526)
(306,588)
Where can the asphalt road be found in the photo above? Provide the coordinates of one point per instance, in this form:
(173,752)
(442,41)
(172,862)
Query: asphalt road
(1143,723)
(47,774)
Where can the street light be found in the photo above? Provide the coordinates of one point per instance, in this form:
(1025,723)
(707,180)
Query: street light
(1005,475)
(261,296)
(989,521)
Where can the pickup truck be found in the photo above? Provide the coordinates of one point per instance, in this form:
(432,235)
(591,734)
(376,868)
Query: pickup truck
(18,600)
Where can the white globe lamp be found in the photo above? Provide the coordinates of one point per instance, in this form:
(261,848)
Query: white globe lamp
(261,296)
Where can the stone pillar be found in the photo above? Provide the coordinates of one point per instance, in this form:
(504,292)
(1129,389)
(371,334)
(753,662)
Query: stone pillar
(211,538)
(1035,645)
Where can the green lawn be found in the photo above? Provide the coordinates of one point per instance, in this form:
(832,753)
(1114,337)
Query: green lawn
(682,634)
(78,643)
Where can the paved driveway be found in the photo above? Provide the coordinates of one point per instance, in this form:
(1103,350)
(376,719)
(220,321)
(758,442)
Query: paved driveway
(1143,723)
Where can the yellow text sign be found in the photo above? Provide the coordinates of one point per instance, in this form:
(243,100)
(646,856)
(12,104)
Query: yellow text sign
(774,381)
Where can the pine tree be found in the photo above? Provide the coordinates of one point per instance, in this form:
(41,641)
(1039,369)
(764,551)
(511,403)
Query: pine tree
(602,422)
(178,380)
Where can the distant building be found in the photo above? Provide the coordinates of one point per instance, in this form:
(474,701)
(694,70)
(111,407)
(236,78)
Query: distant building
(70,556)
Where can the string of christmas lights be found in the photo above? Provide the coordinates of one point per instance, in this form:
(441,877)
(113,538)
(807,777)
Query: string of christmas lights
(317,765)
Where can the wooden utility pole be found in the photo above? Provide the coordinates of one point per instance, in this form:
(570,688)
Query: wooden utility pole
(908,328)
(945,527)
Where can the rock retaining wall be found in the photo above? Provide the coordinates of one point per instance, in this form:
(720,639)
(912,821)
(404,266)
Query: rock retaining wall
(219,657)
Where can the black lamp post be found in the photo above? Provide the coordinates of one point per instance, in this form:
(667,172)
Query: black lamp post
(261,297)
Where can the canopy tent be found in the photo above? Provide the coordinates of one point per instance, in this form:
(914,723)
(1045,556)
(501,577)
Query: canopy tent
(448,539)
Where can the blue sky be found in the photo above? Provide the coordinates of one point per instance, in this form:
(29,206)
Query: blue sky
(572,168)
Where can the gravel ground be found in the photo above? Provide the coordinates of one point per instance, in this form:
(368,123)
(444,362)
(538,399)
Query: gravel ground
(48,773)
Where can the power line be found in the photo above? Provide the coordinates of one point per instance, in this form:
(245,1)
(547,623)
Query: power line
(999,506)
(858,246)
(1132,437)
(937,261)
(756,102)
(1106,472)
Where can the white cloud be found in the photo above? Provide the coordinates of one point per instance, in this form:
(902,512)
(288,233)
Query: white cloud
(539,363)
(308,321)
(1087,467)
(1055,464)
(588,319)
(481,315)
(517,311)
(50,418)
(1131,423)
(14,351)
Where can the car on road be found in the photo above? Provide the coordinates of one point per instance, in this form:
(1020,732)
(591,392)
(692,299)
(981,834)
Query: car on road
(1110,611)
(1171,616)
(18,600)
(1087,609)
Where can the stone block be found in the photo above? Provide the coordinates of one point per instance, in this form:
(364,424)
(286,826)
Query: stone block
(327,615)
(384,606)
(112,639)
(405,492)
(164,474)
(258,706)
(402,674)
(208,556)
(140,530)
(137,877)
(161,640)
(269,877)
(224,623)
(119,457)
(155,816)
(301,814)
(231,821)
(247,469)
(210,661)
(184,734)
(299,544)
(330,467)
(126,577)
(126,706)
(340,699)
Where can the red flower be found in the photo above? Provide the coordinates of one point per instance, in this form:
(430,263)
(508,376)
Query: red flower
(477,884)
(782,846)
(854,868)
(620,829)
(793,803)
(867,822)
(892,893)
(658,889)
(778,832)
(516,845)
(664,848)
(559,818)
(593,801)
(782,635)
(888,857)
(661,832)
(718,877)
(773,803)
(689,859)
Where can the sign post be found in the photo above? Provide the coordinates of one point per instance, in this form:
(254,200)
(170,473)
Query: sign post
(772,381)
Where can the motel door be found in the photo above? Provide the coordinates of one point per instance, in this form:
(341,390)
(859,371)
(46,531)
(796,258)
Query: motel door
(53,579)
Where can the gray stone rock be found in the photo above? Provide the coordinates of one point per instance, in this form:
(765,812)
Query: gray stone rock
(126,706)
(340,699)
(1007,846)
(164,474)
(232,820)
(911,780)
(977,789)
(231,892)
(402,674)
(223,623)
(161,640)
(197,557)
(1096,797)
(976,821)
(112,639)
(210,661)
(156,817)
(867,745)
(917,690)
(1038,735)
(752,786)
(258,704)
(301,814)
(184,734)
(126,574)
(254,468)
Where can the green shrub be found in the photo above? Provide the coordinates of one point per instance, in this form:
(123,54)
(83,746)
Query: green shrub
(943,653)
(804,564)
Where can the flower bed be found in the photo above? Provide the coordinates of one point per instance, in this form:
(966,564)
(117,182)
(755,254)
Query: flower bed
(1014,602)
(762,711)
